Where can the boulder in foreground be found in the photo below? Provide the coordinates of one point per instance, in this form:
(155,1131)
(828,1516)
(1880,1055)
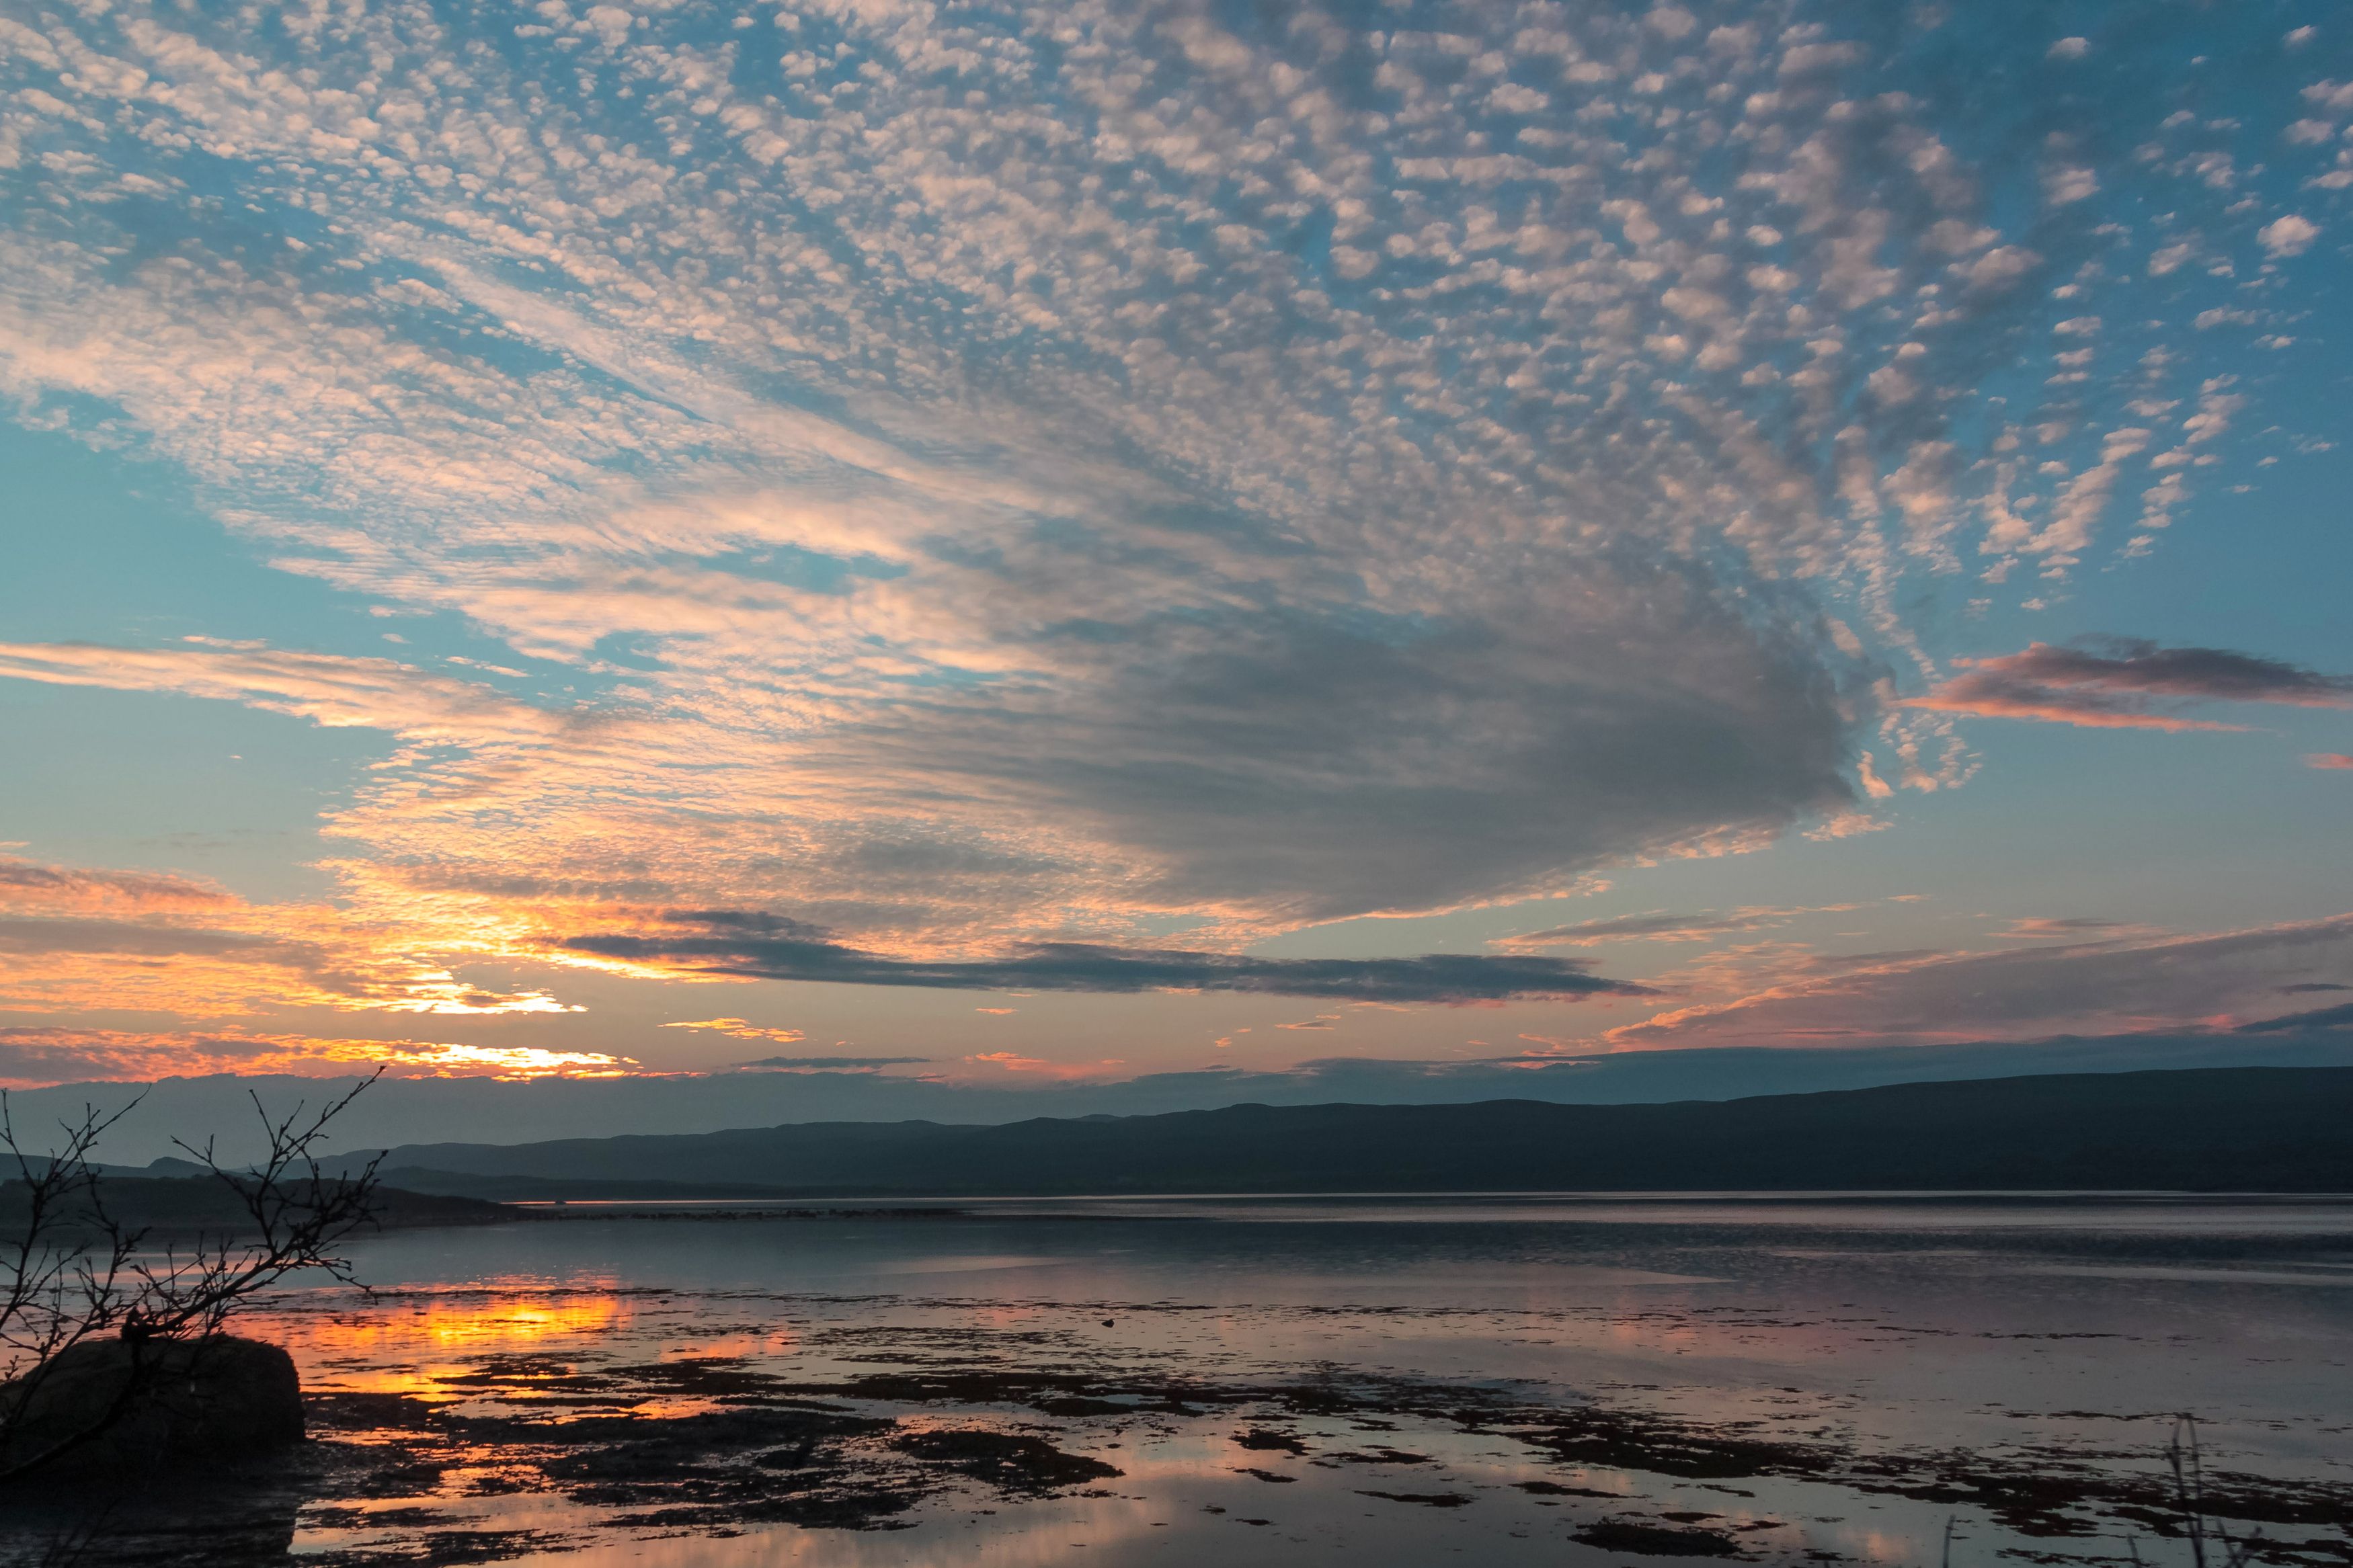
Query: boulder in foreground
(212,1400)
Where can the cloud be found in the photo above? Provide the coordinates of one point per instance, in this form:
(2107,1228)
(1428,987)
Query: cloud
(88,936)
(740,1030)
(2037,927)
(1196,472)
(28,885)
(2115,986)
(726,942)
(2323,1018)
(1034,1066)
(2289,236)
(51,1054)
(1657,926)
(831,1064)
(2108,682)
(2328,761)
(331,690)
(81,938)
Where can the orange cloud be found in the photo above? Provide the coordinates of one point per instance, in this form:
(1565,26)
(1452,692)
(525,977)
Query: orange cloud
(35,1057)
(1012,1062)
(738,1028)
(79,939)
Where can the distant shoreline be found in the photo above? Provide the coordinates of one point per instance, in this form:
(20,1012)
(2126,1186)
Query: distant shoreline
(2249,1130)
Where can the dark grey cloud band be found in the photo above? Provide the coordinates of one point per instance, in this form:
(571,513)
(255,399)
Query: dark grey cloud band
(787,952)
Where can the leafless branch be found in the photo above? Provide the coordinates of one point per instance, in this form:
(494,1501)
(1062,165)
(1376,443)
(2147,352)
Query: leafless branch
(74,1271)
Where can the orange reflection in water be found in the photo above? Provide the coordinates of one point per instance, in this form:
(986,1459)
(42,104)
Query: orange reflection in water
(471,1321)
(401,1346)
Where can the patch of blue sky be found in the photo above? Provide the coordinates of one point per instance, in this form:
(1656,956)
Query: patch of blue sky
(810,571)
(410,300)
(160,782)
(635,652)
(103,546)
(106,548)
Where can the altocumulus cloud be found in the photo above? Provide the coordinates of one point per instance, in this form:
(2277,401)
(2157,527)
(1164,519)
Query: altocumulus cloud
(1036,471)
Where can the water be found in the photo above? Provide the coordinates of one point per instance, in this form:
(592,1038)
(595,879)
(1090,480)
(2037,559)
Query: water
(1369,1381)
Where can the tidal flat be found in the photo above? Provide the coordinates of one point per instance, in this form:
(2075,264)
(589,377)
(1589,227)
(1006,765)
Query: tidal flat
(1559,1380)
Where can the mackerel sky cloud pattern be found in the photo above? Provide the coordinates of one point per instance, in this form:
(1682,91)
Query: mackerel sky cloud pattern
(1050,495)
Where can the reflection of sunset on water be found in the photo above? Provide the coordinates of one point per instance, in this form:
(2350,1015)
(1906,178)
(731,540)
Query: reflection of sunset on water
(434,1346)
(470,1320)
(402,1344)
(561,1377)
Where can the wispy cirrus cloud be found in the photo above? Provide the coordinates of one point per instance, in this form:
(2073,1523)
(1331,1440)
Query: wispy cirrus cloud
(1662,926)
(2116,683)
(337,691)
(2064,927)
(831,1064)
(2129,981)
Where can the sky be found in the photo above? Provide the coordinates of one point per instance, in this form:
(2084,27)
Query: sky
(996,546)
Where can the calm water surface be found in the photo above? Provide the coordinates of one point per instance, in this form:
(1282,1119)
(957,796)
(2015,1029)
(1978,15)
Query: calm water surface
(1911,1335)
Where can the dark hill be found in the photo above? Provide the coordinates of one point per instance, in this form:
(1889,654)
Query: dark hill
(2243,1129)
(168,1205)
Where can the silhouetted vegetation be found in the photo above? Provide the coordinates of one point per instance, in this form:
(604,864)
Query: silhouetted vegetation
(75,1272)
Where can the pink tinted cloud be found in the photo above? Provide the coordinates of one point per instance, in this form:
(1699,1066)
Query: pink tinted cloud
(28,885)
(2111,683)
(2123,980)
(1035,1066)
(2075,928)
(2331,761)
(742,1029)
(331,690)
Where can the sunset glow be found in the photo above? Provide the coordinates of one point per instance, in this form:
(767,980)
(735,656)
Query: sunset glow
(654,543)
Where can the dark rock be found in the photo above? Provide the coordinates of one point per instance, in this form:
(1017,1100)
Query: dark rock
(1656,1539)
(1010,1461)
(118,1403)
(1263,1437)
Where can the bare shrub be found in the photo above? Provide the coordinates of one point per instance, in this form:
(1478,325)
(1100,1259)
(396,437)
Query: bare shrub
(73,1271)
